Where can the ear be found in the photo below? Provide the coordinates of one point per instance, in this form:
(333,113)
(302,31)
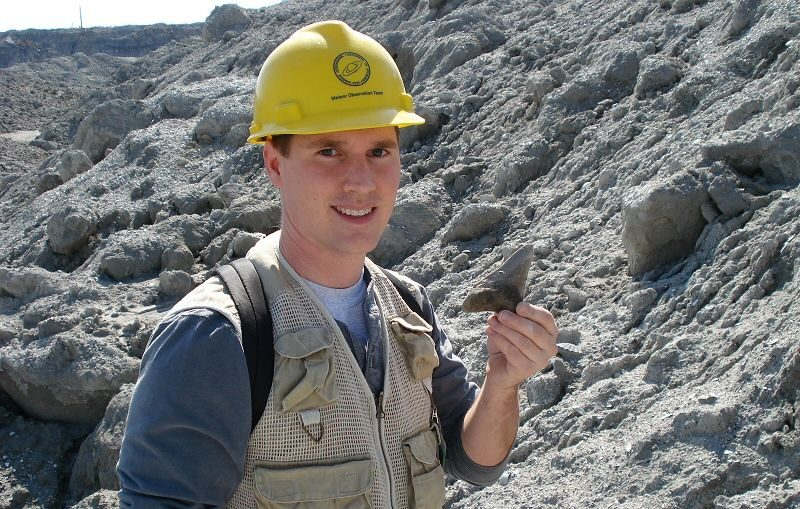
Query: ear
(272,163)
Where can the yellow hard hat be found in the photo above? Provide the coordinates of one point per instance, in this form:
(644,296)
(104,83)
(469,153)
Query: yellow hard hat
(328,77)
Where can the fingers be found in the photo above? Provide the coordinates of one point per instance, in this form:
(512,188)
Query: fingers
(521,354)
(525,334)
(526,347)
(537,314)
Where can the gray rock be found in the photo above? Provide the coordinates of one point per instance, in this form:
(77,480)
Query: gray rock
(569,351)
(72,163)
(175,283)
(539,85)
(103,499)
(191,200)
(95,465)
(177,258)
(460,262)
(243,241)
(533,160)
(69,229)
(29,283)
(621,68)
(193,231)
(477,34)
(662,222)
(47,181)
(562,371)
(640,302)
(544,390)
(657,72)
(218,247)
(108,123)
(179,103)
(68,378)
(728,199)
(569,335)
(503,288)
(8,331)
(432,124)
(56,325)
(473,221)
(225,18)
(216,122)
(419,213)
(576,298)
(741,16)
(742,113)
(660,364)
(132,253)
(251,214)
(774,153)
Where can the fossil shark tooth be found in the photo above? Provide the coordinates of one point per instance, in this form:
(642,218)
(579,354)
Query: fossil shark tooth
(505,287)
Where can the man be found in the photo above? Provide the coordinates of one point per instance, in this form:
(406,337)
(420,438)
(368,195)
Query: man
(361,382)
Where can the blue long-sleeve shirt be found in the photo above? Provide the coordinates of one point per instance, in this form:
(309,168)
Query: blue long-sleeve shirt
(189,419)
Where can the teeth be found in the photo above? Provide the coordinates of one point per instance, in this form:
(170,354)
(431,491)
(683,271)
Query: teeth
(353,212)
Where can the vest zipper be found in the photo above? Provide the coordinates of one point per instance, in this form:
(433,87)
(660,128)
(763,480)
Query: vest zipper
(384,466)
(379,415)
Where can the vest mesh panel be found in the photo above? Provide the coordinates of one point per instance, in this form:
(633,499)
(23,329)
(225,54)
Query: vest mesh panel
(349,422)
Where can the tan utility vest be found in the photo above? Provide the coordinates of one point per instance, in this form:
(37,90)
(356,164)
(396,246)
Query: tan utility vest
(321,442)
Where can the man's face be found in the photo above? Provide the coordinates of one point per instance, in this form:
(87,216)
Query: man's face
(337,191)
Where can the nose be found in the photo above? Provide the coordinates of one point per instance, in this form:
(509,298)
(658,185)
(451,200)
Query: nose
(359,177)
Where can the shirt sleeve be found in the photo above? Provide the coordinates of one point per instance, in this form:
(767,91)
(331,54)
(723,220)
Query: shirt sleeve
(453,395)
(189,419)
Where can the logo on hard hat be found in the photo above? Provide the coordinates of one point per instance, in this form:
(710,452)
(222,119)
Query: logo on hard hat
(351,68)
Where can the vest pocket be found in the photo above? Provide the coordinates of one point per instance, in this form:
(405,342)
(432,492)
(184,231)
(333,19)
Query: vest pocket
(340,486)
(304,375)
(427,475)
(412,334)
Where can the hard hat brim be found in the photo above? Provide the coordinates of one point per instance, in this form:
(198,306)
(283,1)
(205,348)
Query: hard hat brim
(338,121)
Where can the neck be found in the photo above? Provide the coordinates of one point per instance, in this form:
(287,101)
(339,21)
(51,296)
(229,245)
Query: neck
(342,270)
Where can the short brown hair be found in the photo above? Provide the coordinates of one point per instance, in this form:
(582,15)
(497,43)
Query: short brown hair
(281,142)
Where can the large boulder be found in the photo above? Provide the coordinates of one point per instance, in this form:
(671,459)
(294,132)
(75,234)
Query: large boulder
(657,72)
(225,18)
(474,220)
(774,153)
(131,253)
(95,466)
(175,283)
(71,163)
(418,214)
(29,283)
(251,214)
(662,222)
(67,377)
(69,229)
(217,121)
(108,123)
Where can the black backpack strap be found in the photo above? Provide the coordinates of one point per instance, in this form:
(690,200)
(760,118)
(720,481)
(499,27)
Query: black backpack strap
(244,286)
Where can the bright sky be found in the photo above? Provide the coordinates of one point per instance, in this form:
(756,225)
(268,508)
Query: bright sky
(19,15)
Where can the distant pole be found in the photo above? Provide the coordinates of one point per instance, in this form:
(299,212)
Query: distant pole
(80,15)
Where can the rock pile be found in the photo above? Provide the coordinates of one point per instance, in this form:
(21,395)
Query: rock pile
(648,152)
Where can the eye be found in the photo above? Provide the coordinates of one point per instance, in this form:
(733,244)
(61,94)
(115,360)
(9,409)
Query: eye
(328,152)
(379,152)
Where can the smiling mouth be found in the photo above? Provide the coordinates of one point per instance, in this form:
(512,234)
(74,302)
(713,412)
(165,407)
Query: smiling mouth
(354,212)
